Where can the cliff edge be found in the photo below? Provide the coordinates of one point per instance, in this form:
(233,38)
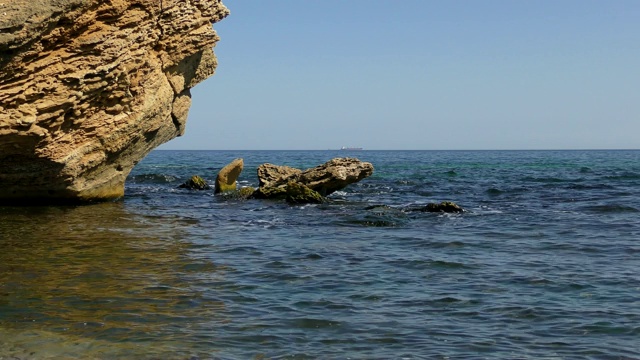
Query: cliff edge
(89,87)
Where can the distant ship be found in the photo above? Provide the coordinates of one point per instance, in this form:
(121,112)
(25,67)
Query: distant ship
(350,148)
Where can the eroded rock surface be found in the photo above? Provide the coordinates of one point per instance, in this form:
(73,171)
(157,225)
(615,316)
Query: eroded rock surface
(333,175)
(89,87)
(269,174)
(324,179)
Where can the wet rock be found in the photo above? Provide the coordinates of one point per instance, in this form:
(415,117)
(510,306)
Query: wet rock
(196,183)
(227,177)
(268,192)
(445,206)
(300,194)
(240,194)
(246,192)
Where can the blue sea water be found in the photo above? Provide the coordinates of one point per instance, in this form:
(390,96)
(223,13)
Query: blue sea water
(543,264)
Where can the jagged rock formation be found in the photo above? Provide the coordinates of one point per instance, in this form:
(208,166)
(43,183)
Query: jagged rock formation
(324,179)
(89,87)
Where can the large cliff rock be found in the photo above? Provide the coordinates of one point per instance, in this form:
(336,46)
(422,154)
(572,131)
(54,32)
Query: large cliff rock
(89,87)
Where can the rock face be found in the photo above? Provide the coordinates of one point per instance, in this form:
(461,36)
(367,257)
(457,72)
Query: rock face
(269,174)
(226,179)
(333,175)
(325,179)
(89,87)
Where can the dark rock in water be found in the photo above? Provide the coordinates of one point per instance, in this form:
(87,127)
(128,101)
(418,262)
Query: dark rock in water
(269,174)
(196,183)
(445,206)
(300,194)
(226,179)
(278,193)
(246,192)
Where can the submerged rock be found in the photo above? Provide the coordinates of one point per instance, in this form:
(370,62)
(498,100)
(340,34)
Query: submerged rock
(196,183)
(246,192)
(227,177)
(88,88)
(240,194)
(268,192)
(445,206)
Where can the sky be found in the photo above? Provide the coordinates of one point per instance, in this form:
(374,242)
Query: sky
(421,75)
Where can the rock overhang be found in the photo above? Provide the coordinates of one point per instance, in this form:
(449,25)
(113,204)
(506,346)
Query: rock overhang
(88,88)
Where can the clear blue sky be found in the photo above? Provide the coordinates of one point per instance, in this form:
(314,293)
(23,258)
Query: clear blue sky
(421,74)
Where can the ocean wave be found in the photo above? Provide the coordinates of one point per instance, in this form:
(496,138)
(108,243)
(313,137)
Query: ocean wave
(624,176)
(590,187)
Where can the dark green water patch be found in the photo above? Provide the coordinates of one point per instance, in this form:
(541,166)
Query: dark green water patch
(610,209)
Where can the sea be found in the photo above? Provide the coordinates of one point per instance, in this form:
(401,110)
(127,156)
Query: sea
(544,263)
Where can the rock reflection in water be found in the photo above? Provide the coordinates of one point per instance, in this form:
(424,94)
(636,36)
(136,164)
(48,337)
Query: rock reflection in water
(93,274)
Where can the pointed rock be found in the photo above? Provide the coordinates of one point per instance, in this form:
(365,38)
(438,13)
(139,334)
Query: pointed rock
(226,179)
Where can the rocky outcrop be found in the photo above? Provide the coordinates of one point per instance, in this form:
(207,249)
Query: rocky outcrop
(333,175)
(325,179)
(269,174)
(89,87)
(228,175)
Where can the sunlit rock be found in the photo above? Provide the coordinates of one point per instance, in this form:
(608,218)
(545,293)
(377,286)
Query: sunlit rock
(228,175)
(89,87)
(324,179)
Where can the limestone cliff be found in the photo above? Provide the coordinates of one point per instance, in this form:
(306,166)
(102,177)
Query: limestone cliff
(89,87)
